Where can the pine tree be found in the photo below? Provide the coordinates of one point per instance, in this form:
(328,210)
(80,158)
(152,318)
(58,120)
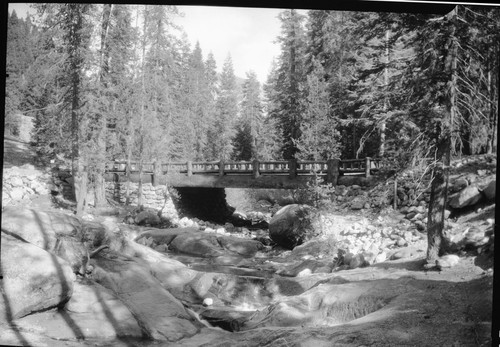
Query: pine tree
(74,22)
(291,75)
(243,143)
(157,78)
(42,95)
(18,60)
(211,94)
(319,138)
(250,120)
(270,140)
(197,96)
(226,112)
(97,157)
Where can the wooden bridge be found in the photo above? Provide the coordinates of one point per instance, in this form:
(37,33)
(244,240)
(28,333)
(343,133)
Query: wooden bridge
(243,174)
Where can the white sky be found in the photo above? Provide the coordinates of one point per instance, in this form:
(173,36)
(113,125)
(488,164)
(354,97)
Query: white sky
(248,34)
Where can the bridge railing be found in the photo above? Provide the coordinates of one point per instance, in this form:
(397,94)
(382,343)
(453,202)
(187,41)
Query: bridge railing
(331,168)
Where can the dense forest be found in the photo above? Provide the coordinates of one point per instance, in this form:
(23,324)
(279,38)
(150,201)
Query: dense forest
(117,81)
(107,82)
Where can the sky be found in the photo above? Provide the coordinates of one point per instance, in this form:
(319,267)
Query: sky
(247,34)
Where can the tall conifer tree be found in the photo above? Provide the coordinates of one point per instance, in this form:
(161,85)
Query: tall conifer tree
(226,111)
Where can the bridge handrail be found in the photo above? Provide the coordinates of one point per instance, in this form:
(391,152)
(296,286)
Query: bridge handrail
(256,168)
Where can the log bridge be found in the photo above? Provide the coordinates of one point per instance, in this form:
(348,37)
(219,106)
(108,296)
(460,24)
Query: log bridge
(289,174)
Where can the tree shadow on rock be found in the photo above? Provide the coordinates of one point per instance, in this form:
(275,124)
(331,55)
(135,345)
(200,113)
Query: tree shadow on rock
(8,312)
(114,322)
(64,281)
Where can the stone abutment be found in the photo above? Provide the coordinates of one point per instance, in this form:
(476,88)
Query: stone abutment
(204,203)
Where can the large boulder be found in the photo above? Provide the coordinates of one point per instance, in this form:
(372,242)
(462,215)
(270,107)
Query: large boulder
(294,224)
(39,228)
(58,233)
(459,184)
(203,245)
(244,247)
(96,312)
(191,241)
(489,191)
(159,313)
(466,197)
(33,279)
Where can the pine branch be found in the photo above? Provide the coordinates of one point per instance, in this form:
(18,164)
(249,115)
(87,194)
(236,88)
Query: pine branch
(476,13)
(363,139)
(472,88)
(472,111)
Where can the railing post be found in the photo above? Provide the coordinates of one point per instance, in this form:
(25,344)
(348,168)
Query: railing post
(367,167)
(292,168)
(332,172)
(255,168)
(189,168)
(156,174)
(221,168)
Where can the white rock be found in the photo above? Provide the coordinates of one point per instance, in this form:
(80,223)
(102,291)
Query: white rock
(448,260)
(408,236)
(88,217)
(17,193)
(208,302)
(16,181)
(381,257)
(305,272)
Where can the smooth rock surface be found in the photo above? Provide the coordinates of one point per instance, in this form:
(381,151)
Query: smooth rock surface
(93,312)
(33,279)
(39,228)
(161,315)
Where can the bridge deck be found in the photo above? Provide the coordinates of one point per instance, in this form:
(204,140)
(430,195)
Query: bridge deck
(270,174)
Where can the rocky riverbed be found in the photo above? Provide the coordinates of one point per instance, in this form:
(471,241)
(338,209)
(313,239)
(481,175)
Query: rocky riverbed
(208,285)
(351,277)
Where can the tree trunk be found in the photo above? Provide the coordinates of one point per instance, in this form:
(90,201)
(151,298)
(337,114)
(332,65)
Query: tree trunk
(127,191)
(75,60)
(441,170)
(381,150)
(81,179)
(140,196)
(493,95)
(100,189)
(435,224)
